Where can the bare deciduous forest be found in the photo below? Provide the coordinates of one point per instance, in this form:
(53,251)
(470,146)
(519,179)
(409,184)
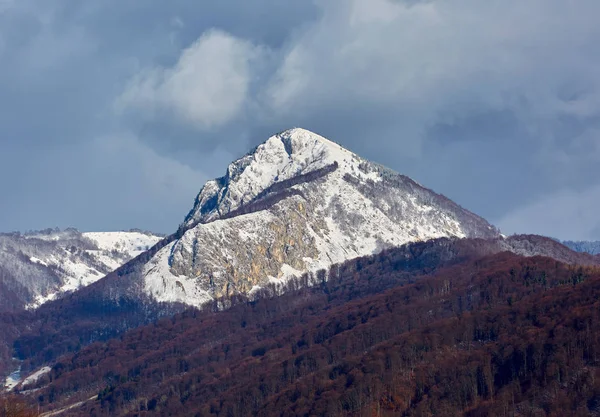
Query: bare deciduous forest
(497,335)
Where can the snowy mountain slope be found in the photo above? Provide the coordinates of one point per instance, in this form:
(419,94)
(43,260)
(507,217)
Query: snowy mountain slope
(297,203)
(40,266)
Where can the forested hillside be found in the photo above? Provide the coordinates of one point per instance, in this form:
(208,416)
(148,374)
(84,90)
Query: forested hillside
(494,335)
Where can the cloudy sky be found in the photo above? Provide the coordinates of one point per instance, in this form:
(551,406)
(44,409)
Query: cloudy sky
(114,113)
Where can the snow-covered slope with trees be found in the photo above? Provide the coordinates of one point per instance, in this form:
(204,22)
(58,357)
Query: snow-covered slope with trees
(40,266)
(297,203)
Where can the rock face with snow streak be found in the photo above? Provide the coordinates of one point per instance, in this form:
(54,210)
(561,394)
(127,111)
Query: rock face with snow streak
(297,203)
(38,267)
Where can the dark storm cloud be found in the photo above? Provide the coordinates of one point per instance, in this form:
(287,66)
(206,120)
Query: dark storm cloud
(495,104)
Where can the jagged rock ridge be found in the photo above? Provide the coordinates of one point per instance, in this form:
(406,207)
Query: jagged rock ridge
(296,203)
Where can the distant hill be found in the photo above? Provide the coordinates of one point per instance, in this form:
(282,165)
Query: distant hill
(39,266)
(591,247)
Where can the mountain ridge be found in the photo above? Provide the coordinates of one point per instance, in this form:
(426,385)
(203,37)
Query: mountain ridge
(589,246)
(39,266)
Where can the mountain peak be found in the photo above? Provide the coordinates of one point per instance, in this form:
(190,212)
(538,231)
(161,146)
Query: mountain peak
(306,138)
(291,153)
(301,144)
(297,203)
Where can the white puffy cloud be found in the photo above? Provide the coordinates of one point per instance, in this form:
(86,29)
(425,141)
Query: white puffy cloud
(207,87)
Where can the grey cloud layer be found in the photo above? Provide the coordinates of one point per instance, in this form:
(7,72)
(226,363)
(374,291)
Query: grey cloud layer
(494,104)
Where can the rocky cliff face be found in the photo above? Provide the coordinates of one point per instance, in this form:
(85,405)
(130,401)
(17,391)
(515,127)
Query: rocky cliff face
(297,203)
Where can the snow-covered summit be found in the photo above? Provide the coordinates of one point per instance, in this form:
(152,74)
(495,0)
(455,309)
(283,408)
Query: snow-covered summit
(286,155)
(298,203)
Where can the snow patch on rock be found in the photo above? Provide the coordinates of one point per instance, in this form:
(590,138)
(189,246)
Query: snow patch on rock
(31,379)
